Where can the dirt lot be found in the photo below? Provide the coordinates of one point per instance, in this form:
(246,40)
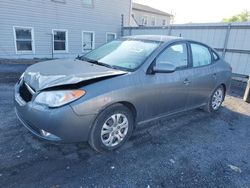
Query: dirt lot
(193,149)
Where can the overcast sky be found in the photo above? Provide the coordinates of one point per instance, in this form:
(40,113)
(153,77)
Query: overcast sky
(198,11)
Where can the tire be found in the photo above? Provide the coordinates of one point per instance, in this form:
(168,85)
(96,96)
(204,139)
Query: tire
(219,95)
(110,130)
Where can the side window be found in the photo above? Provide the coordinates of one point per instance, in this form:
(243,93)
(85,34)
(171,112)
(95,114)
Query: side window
(176,55)
(201,55)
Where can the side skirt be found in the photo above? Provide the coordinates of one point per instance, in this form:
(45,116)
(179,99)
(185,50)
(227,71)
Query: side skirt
(168,115)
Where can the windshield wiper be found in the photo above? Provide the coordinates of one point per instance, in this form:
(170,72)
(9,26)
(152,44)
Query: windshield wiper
(104,64)
(82,58)
(97,62)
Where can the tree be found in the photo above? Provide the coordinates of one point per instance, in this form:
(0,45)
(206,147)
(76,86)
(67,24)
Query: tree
(242,17)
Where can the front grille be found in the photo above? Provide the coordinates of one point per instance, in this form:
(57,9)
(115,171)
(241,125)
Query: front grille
(25,93)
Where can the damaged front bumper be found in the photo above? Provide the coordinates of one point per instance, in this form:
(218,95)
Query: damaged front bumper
(53,124)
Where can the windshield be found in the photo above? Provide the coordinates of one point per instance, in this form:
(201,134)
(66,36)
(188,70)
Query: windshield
(126,54)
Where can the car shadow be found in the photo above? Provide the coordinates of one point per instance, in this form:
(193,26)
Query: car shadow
(237,89)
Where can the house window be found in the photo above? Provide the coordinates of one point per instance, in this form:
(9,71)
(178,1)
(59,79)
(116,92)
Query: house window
(163,22)
(24,39)
(110,37)
(60,40)
(59,1)
(144,20)
(153,21)
(88,2)
(88,40)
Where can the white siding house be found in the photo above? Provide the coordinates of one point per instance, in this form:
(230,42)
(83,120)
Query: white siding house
(62,28)
(143,15)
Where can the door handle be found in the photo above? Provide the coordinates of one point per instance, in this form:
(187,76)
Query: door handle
(186,82)
(214,75)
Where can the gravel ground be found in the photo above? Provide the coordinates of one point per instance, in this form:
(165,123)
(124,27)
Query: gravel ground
(11,72)
(193,149)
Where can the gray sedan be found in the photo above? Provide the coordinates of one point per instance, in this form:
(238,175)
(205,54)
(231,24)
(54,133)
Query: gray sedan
(102,96)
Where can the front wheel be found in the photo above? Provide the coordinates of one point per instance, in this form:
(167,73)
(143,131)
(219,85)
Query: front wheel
(112,128)
(216,99)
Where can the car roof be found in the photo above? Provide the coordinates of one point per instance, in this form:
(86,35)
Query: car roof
(159,38)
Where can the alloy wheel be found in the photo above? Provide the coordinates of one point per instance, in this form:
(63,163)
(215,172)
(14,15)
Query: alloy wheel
(217,98)
(114,130)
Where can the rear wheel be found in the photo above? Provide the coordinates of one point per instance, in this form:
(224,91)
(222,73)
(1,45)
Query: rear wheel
(216,99)
(112,128)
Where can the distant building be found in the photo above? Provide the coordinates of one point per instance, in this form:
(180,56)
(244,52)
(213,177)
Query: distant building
(143,15)
(59,28)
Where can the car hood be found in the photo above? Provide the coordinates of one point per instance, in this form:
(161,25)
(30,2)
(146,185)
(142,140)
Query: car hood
(64,72)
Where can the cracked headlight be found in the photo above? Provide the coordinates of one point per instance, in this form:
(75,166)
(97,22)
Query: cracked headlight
(20,79)
(58,98)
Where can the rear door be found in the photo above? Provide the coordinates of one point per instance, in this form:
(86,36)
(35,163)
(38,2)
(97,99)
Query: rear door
(203,79)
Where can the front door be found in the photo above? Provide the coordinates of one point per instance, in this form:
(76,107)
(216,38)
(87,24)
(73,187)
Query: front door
(167,92)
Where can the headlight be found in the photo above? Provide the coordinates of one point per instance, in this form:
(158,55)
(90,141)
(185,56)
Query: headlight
(58,98)
(20,79)
(21,76)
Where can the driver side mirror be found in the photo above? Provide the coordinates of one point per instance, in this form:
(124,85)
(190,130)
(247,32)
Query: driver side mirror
(164,67)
